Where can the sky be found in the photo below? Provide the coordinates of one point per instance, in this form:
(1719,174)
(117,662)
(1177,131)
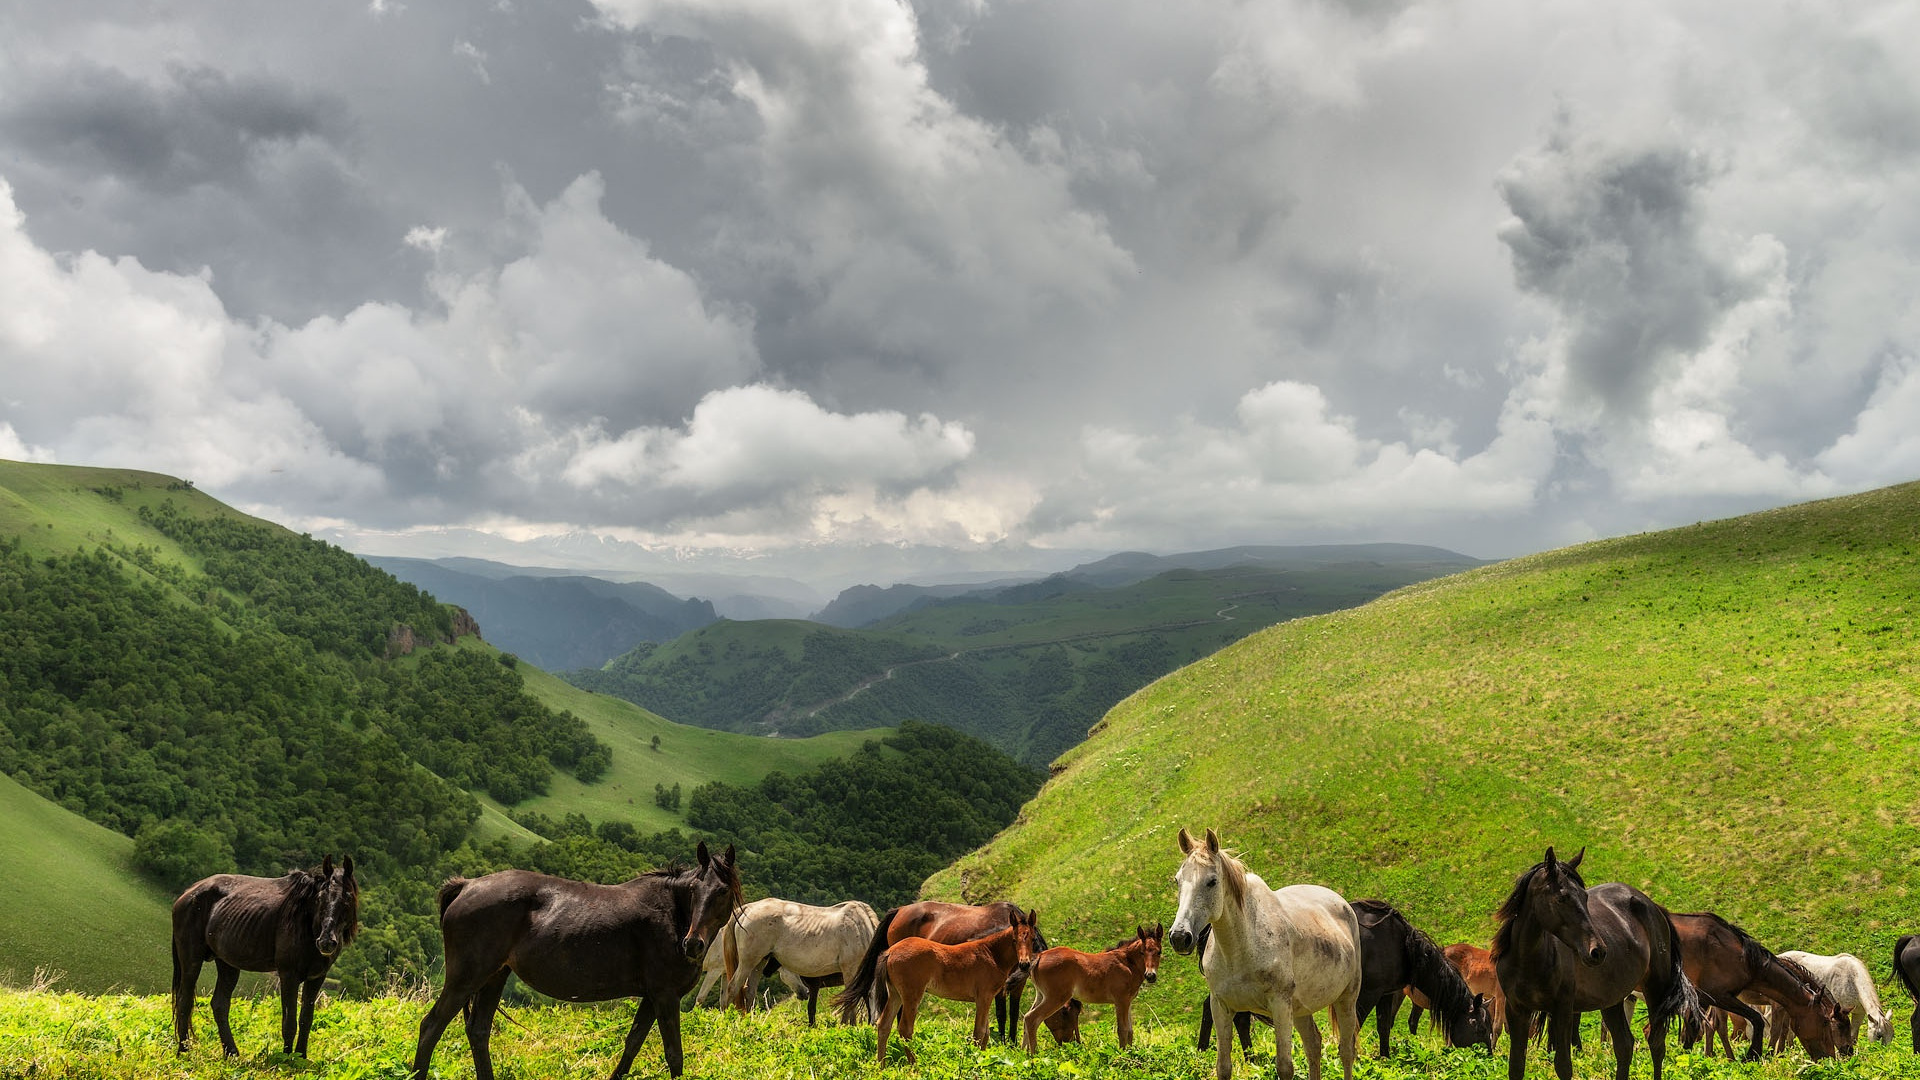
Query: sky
(913,287)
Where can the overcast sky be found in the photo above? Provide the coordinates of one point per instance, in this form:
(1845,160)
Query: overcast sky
(973,276)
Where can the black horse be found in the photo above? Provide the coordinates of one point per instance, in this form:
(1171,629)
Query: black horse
(293,926)
(1564,949)
(578,941)
(1906,965)
(1394,955)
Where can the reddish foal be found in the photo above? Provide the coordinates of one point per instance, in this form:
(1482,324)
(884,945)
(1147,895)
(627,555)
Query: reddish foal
(973,971)
(1111,978)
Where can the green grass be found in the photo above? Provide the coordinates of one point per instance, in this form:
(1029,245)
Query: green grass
(65,1035)
(1724,715)
(73,903)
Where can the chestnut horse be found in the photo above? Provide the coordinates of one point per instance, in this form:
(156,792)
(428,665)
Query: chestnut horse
(948,924)
(578,941)
(1564,949)
(294,926)
(973,971)
(1283,954)
(1396,956)
(1723,962)
(1475,966)
(1113,977)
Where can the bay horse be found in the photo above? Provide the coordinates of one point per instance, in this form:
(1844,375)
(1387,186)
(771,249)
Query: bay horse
(1564,949)
(973,971)
(293,926)
(1114,977)
(1396,956)
(948,924)
(1475,966)
(811,942)
(1283,954)
(1906,967)
(1724,962)
(1851,986)
(578,941)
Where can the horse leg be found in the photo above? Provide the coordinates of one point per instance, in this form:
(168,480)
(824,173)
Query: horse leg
(670,1037)
(480,1010)
(1619,1031)
(1519,1023)
(186,975)
(644,1014)
(1413,1017)
(1560,1034)
(309,997)
(225,978)
(1755,1021)
(1015,990)
(980,1009)
(909,1015)
(1310,1042)
(1223,1055)
(1913,1024)
(1283,1042)
(1043,1007)
(1383,1022)
(1346,1024)
(1206,1026)
(887,1012)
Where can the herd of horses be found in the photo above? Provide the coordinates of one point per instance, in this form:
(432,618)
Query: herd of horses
(1282,955)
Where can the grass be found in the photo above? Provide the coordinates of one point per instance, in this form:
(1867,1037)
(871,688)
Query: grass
(1724,715)
(74,904)
(66,1035)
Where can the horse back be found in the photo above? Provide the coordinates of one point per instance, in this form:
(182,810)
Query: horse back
(248,922)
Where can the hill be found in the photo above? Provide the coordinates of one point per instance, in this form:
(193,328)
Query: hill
(561,621)
(75,904)
(1027,667)
(1723,715)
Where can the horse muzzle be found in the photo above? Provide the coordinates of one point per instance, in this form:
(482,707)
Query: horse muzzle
(329,947)
(1181,940)
(1152,977)
(693,948)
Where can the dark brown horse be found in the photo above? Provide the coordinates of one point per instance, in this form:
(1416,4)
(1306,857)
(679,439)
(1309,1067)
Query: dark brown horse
(1564,949)
(293,926)
(578,941)
(1475,966)
(1906,967)
(973,971)
(948,924)
(1723,962)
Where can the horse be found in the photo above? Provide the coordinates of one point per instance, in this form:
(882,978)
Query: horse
(973,971)
(1723,962)
(713,973)
(811,942)
(578,941)
(948,924)
(1394,956)
(1906,967)
(1563,949)
(1846,978)
(1280,953)
(293,926)
(1475,966)
(1114,977)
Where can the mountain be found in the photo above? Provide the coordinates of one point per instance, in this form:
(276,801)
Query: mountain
(1721,715)
(861,605)
(1127,567)
(558,622)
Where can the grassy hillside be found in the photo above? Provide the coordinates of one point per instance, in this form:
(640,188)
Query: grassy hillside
(1724,715)
(74,903)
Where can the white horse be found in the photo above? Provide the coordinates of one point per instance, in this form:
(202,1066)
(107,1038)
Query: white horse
(1279,953)
(1846,978)
(811,942)
(713,972)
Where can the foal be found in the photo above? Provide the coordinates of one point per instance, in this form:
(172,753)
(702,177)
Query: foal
(1111,978)
(973,971)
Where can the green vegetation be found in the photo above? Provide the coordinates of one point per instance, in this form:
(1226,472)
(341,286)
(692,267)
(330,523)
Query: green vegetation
(128,1038)
(1722,714)
(1028,668)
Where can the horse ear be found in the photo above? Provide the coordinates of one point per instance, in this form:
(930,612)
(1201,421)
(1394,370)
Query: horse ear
(1186,841)
(326,866)
(1033,918)
(1574,863)
(729,857)
(1213,842)
(347,863)
(700,854)
(1549,859)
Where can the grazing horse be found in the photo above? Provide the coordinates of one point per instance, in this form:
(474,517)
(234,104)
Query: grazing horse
(1906,966)
(1475,966)
(1564,949)
(578,941)
(948,924)
(1723,962)
(1846,978)
(1395,956)
(293,926)
(811,942)
(1283,954)
(973,971)
(1113,978)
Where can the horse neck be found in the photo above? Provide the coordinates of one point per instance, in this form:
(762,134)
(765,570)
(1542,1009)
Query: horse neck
(1774,977)
(1003,946)
(1233,927)
(1431,974)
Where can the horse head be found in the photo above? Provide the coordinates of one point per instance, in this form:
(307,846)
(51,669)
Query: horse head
(1026,940)
(1474,1027)
(716,894)
(1208,881)
(1555,895)
(1150,949)
(336,906)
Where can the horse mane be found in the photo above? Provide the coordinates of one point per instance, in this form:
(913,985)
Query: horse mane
(303,889)
(1755,954)
(1427,968)
(1231,870)
(1516,902)
(1821,995)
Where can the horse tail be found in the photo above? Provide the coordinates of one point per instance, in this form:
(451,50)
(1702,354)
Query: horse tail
(1678,997)
(879,986)
(847,1003)
(730,954)
(449,891)
(1906,977)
